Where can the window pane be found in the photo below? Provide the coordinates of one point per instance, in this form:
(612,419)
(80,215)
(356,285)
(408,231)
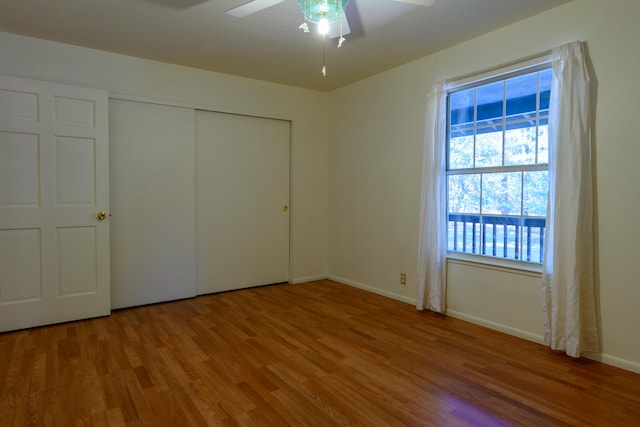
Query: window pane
(521,96)
(489,147)
(501,193)
(501,237)
(464,234)
(499,130)
(461,106)
(533,240)
(543,141)
(536,186)
(520,144)
(545,89)
(490,100)
(464,193)
(460,151)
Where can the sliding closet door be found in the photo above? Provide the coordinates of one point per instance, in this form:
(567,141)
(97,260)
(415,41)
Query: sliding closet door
(242,217)
(152,153)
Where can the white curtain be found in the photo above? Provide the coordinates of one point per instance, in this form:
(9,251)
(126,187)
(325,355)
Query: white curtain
(570,322)
(432,252)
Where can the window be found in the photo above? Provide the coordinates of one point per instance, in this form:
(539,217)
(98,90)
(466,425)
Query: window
(497,165)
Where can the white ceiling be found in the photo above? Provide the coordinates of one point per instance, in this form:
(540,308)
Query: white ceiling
(266,45)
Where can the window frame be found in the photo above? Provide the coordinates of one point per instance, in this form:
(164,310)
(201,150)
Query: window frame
(528,66)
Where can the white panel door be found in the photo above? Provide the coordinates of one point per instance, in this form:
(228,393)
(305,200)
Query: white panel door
(153,241)
(242,201)
(54,250)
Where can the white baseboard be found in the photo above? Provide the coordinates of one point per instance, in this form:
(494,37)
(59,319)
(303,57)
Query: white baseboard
(614,361)
(299,280)
(497,326)
(387,294)
(598,357)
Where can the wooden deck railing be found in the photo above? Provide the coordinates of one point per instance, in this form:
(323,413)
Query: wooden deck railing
(499,236)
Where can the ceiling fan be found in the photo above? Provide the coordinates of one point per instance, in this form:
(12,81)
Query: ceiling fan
(327,11)
(328,14)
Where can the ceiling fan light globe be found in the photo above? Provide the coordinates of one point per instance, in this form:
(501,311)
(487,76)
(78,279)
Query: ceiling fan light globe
(316,10)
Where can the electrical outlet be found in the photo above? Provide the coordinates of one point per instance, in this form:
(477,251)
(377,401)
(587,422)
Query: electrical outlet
(403,279)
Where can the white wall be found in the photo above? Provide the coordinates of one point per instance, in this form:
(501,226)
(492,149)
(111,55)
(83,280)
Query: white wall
(376,133)
(136,78)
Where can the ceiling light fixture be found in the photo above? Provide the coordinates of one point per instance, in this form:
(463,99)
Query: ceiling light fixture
(327,14)
(324,13)
(316,10)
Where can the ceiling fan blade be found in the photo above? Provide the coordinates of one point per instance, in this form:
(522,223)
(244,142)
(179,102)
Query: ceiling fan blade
(418,2)
(334,29)
(252,7)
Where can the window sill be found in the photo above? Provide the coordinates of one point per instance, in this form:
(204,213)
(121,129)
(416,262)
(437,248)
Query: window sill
(509,266)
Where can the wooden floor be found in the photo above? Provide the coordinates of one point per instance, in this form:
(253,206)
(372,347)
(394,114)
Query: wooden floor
(316,354)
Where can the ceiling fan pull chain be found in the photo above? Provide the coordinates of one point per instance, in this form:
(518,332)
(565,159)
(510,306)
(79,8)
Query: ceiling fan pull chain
(324,44)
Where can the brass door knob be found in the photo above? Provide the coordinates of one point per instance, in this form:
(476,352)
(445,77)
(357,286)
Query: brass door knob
(101,215)
(285,208)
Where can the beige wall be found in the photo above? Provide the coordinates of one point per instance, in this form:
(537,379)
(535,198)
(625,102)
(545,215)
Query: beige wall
(376,133)
(152,81)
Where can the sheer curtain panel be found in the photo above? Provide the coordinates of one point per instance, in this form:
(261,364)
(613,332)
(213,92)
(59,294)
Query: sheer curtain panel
(570,322)
(432,252)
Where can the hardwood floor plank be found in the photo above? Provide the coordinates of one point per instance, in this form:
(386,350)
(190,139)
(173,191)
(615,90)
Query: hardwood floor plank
(313,354)
(264,413)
